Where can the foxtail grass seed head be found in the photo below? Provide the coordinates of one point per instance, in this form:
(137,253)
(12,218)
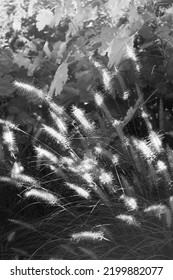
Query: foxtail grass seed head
(144,149)
(99,100)
(17,169)
(130,202)
(8,180)
(160,211)
(98,150)
(144,114)
(105,177)
(58,110)
(80,116)
(126,95)
(129,219)
(58,171)
(9,139)
(88,164)
(80,191)
(9,124)
(61,139)
(117,123)
(32,93)
(138,67)
(156,210)
(24,180)
(106,75)
(107,78)
(45,154)
(59,122)
(88,178)
(155,142)
(88,235)
(67,162)
(161,166)
(43,195)
(115,159)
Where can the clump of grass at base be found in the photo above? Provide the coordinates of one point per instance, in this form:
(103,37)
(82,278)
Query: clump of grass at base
(105,202)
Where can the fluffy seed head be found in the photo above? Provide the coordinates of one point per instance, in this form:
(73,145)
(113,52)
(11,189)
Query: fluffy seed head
(155,141)
(42,195)
(98,99)
(59,122)
(157,210)
(58,110)
(61,139)
(130,220)
(105,177)
(88,178)
(45,154)
(33,94)
(106,79)
(80,116)
(80,191)
(144,148)
(130,202)
(161,166)
(88,235)
(9,139)
(126,95)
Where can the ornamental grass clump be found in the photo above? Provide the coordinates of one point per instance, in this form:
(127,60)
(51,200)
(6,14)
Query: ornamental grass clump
(84,197)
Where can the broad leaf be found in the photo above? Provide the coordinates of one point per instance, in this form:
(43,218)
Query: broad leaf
(44,17)
(59,80)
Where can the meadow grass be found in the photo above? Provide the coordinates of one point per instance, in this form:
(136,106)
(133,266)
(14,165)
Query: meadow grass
(82,197)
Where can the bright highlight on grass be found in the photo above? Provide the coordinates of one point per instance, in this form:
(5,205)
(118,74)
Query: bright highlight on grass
(31,92)
(80,116)
(88,235)
(43,195)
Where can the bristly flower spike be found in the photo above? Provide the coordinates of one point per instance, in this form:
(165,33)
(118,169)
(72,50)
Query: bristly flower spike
(80,116)
(32,93)
(9,139)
